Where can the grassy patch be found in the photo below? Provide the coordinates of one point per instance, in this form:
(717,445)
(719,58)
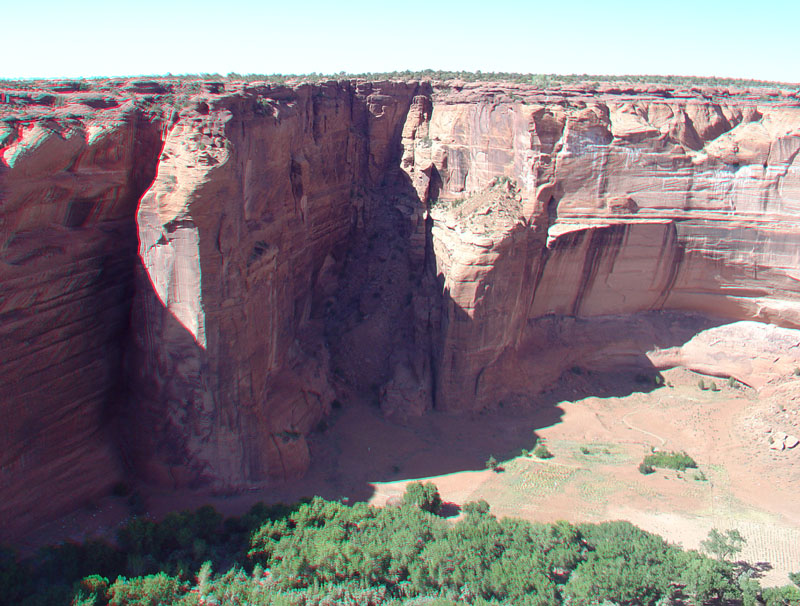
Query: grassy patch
(669,460)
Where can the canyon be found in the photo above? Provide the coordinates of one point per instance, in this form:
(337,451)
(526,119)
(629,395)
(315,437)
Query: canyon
(194,274)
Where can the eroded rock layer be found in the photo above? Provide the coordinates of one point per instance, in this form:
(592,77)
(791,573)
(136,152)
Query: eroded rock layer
(70,179)
(256,192)
(620,204)
(193,272)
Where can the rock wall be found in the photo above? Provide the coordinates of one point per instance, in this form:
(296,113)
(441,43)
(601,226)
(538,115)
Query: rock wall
(257,194)
(72,168)
(636,201)
(192,272)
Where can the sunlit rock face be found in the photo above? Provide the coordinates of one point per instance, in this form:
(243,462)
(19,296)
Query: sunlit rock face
(254,191)
(192,272)
(644,200)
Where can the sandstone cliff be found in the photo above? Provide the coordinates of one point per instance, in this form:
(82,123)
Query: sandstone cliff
(256,191)
(637,201)
(70,178)
(193,272)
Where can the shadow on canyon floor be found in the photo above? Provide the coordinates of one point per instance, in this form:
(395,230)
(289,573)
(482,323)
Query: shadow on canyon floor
(357,447)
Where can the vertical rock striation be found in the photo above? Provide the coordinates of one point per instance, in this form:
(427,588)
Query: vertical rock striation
(70,178)
(256,188)
(191,272)
(634,201)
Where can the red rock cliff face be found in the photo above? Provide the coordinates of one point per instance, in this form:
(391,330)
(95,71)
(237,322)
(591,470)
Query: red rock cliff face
(255,190)
(72,168)
(192,272)
(624,203)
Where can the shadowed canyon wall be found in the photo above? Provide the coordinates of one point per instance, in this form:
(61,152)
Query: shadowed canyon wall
(192,273)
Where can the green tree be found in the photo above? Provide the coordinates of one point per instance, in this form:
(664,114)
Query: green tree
(425,496)
(723,544)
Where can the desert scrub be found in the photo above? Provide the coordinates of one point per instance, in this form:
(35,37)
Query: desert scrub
(670,460)
(707,386)
(542,452)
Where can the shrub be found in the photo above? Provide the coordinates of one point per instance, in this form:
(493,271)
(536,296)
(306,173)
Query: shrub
(475,507)
(646,469)
(425,496)
(525,452)
(723,544)
(585,450)
(541,452)
(700,477)
(151,590)
(788,595)
(491,463)
(671,460)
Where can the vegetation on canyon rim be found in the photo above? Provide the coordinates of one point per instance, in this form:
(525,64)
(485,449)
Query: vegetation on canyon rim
(325,552)
(543,80)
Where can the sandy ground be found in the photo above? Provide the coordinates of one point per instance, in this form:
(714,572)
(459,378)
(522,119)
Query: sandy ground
(598,443)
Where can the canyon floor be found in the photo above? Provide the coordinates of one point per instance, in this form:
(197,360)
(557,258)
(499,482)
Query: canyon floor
(597,440)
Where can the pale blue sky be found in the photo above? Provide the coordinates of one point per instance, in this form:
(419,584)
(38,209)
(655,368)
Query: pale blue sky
(59,38)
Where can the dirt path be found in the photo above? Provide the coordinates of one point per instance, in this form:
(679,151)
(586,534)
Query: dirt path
(639,429)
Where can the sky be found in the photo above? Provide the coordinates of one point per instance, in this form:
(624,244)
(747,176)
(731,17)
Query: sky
(94,38)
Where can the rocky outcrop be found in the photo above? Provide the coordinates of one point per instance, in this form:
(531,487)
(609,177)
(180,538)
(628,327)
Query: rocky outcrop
(194,271)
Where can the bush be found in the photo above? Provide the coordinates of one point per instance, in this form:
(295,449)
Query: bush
(151,590)
(326,552)
(585,450)
(491,463)
(646,469)
(723,544)
(425,496)
(788,595)
(541,452)
(670,460)
(475,508)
